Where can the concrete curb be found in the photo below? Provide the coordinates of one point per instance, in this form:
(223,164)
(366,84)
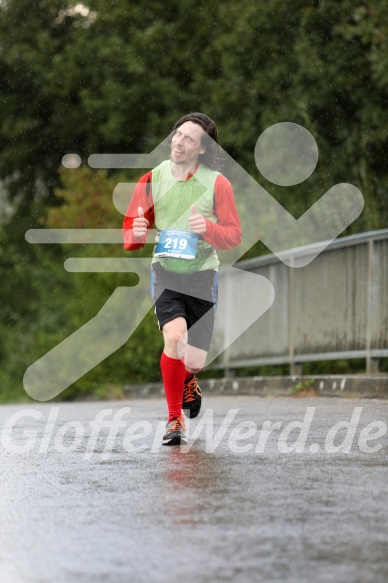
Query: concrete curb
(356,386)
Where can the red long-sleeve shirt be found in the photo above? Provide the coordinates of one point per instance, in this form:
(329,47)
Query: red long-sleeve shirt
(225,234)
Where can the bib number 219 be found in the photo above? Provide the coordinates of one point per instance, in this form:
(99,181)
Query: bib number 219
(174,243)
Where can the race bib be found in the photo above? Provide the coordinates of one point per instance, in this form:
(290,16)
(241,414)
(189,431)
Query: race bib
(174,243)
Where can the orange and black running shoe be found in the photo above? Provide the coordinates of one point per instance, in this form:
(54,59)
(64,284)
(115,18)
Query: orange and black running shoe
(192,397)
(175,432)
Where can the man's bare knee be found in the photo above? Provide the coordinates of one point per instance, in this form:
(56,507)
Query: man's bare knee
(174,334)
(173,339)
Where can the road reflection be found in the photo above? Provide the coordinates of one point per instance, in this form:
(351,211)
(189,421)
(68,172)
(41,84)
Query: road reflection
(194,480)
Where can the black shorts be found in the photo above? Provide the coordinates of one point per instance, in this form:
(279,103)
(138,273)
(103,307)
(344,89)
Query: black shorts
(192,296)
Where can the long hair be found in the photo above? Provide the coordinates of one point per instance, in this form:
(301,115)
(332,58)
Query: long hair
(212,155)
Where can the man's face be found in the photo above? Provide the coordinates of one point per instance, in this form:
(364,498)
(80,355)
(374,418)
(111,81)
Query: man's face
(186,144)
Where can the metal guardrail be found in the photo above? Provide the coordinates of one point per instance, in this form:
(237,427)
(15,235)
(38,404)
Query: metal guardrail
(334,308)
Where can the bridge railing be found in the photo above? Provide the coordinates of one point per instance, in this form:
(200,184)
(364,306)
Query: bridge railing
(334,308)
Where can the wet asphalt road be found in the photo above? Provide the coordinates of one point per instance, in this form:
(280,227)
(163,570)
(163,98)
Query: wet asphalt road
(81,504)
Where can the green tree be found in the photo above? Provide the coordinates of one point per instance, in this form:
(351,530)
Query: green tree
(86,203)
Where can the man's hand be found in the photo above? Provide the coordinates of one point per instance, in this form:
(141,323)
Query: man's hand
(197,222)
(140,224)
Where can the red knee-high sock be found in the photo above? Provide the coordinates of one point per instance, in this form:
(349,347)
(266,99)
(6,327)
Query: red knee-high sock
(173,374)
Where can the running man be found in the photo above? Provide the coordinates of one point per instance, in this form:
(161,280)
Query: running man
(192,205)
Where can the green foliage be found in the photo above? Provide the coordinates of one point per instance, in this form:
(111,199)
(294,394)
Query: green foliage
(303,386)
(86,197)
(113,77)
(33,318)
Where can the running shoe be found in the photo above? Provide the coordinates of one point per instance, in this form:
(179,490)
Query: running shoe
(175,432)
(192,397)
